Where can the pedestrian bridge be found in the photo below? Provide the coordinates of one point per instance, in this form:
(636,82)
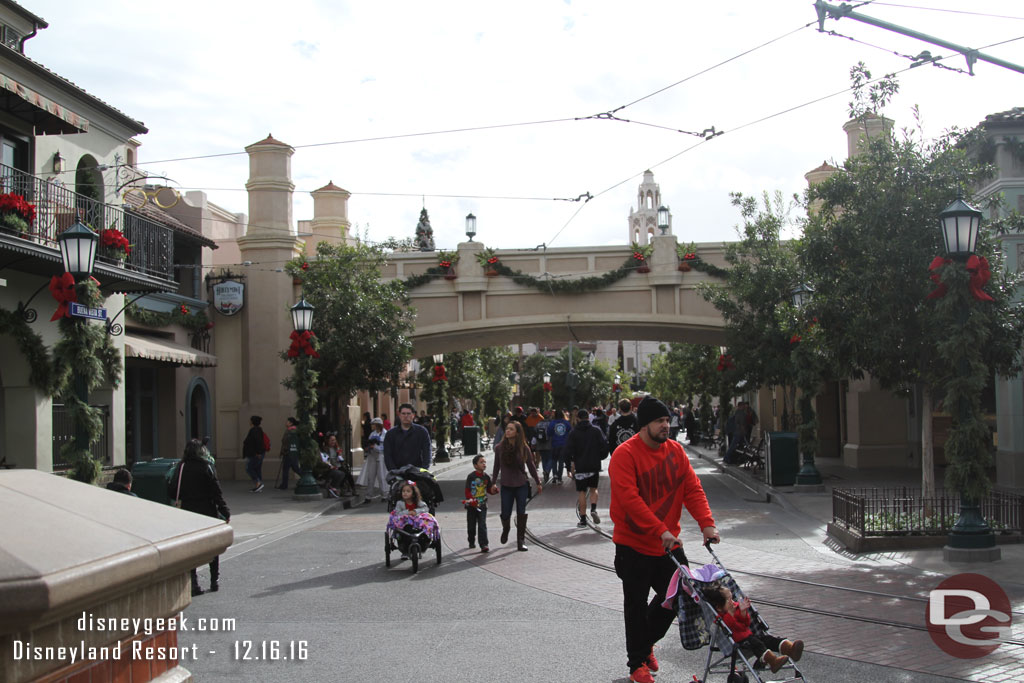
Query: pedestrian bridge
(476,310)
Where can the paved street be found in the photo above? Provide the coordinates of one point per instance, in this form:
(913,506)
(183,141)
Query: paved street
(315,573)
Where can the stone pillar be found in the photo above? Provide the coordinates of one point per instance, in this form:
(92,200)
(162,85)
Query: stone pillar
(330,214)
(876,428)
(1010,396)
(860,130)
(270,241)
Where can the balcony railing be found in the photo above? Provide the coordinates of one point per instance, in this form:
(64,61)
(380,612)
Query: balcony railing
(56,210)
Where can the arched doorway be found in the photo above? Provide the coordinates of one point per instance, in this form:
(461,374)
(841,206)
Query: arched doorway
(91,192)
(198,410)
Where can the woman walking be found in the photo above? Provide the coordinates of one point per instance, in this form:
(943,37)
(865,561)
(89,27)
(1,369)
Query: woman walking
(254,449)
(511,459)
(372,475)
(194,487)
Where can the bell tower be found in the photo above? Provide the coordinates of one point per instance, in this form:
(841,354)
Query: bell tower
(643,222)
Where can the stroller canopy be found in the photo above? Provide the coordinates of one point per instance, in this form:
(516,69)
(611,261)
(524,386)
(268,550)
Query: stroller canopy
(424,479)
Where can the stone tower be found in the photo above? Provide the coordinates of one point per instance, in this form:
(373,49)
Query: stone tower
(330,215)
(643,222)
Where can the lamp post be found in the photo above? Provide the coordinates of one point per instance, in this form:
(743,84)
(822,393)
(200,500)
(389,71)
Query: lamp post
(470,227)
(78,253)
(663,219)
(548,403)
(304,381)
(617,387)
(441,405)
(971,538)
(808,478)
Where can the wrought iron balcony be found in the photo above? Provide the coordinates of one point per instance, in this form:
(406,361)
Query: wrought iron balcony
(152,252)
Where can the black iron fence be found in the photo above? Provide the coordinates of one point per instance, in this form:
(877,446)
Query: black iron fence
(56,210)
(64,432)
(903,511)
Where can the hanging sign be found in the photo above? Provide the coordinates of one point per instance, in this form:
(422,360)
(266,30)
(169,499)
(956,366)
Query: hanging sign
(228,297)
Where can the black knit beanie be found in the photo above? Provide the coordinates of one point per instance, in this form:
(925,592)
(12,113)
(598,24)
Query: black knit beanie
(649,410)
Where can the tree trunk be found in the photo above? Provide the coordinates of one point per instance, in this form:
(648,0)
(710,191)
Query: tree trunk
(927,445)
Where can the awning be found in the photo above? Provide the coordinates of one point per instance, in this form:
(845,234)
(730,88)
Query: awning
(46,115)
(165,351)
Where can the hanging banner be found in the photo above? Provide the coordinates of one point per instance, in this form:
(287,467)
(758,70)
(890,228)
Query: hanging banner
(228,297)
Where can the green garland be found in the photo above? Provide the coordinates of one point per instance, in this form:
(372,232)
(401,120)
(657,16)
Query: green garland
(190,321)
(84,359)
(304,382)
(40,368)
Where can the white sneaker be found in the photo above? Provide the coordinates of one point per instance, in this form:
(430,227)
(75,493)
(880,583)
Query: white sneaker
(593,516)
(258,488)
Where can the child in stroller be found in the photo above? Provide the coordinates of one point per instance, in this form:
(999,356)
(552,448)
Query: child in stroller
(411,527)
(736,616)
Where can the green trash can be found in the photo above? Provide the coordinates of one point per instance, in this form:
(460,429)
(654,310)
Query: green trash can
(471,440)
(783,458)
(150,478)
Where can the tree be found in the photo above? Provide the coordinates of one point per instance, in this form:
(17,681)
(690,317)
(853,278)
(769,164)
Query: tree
(866,248)
(496,364)
(595,379)
(360,321)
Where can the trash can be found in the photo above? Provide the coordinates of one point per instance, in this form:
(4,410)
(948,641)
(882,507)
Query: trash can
(471,440)
(783,458)
(150,478)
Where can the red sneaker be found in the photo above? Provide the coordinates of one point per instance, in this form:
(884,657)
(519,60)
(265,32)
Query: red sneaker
(642,675)
(652,662)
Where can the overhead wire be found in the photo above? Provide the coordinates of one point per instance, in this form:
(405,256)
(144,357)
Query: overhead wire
(951,11)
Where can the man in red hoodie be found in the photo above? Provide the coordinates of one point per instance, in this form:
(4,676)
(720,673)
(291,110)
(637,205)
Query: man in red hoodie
(651,479)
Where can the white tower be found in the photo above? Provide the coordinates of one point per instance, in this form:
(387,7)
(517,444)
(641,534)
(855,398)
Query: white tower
(643,222)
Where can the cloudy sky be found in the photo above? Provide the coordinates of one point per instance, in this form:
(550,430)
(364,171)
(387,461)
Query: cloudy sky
(211,77)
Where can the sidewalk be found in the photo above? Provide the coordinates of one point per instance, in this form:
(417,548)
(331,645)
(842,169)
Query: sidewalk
(818,506)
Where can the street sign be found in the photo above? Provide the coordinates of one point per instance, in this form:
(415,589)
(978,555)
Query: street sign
(80,311)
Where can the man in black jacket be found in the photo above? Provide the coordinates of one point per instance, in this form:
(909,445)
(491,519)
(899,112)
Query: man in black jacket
(623,428)
(585,448)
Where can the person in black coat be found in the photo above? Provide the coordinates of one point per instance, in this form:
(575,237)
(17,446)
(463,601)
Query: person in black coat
(585,448)
(194,487)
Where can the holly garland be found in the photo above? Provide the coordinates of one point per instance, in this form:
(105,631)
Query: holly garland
(687,254)
(40,369)
(303,382)
(181,315)
(84,358)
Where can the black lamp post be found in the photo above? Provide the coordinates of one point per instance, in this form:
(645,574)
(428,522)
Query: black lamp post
(78,252)
(808,474)
(663,219)
(960,223)
(441,411)
(470,227)
(302,321)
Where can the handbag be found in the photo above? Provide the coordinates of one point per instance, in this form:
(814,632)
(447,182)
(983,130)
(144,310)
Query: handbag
(177,498)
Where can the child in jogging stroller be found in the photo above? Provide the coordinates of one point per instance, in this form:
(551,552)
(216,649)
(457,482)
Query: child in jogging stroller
(709,616)
(411,528)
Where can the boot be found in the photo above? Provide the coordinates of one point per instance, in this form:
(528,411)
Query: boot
(196,590)
(521,533)
(794,649)
(215,575)
(506,527)
(774,661)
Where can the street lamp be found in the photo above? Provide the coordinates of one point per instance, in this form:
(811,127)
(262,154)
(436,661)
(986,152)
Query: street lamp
(617,386)
(663,219)
(971,534)
(808,475)
(78,249)
(440,409)
(470,227)
(302,316)
(305,391)
(802,294)
(547,378)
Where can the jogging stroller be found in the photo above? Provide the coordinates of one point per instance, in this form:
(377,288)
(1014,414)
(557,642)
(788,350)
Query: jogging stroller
(412,535)
(700,625)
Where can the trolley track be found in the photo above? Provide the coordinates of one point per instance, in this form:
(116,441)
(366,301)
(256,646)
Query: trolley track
(779,605)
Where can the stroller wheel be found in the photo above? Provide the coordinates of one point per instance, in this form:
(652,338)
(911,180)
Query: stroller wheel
(414,557)
(387,550)
(437,547)
(737,677)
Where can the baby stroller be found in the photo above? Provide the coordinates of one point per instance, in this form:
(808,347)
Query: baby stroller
(700,625)
(416,534)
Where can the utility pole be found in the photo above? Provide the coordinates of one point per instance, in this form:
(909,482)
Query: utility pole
(827,11)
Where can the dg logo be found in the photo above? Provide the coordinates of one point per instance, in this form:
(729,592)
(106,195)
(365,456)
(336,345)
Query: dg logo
(968,616)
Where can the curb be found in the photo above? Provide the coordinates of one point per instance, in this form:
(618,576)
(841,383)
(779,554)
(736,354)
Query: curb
(771,495)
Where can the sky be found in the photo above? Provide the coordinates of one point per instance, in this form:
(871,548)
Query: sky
(209,78)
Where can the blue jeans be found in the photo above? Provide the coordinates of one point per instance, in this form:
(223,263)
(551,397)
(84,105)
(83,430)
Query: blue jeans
(557,461)
(254,468)
(548,460)
(512,494)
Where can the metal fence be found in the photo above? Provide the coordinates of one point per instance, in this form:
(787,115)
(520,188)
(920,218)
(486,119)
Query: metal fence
(64,432)
(902,511)
(56,210)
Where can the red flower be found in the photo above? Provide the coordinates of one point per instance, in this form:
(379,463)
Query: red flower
(113,240)
(795,339)
(15,203)
(305,266)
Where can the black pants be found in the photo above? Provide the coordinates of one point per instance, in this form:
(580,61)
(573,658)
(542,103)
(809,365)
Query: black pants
(289,462)
(760,644)
(646,622)
(476,525)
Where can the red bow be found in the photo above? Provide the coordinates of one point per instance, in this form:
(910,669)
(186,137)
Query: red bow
(439,375)
(940,291)
(547,386)
(302,343)
(725,363)
(616,387)
(980,275)
(62,287)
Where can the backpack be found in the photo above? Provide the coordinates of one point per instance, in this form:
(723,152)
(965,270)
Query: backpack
(266,443)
